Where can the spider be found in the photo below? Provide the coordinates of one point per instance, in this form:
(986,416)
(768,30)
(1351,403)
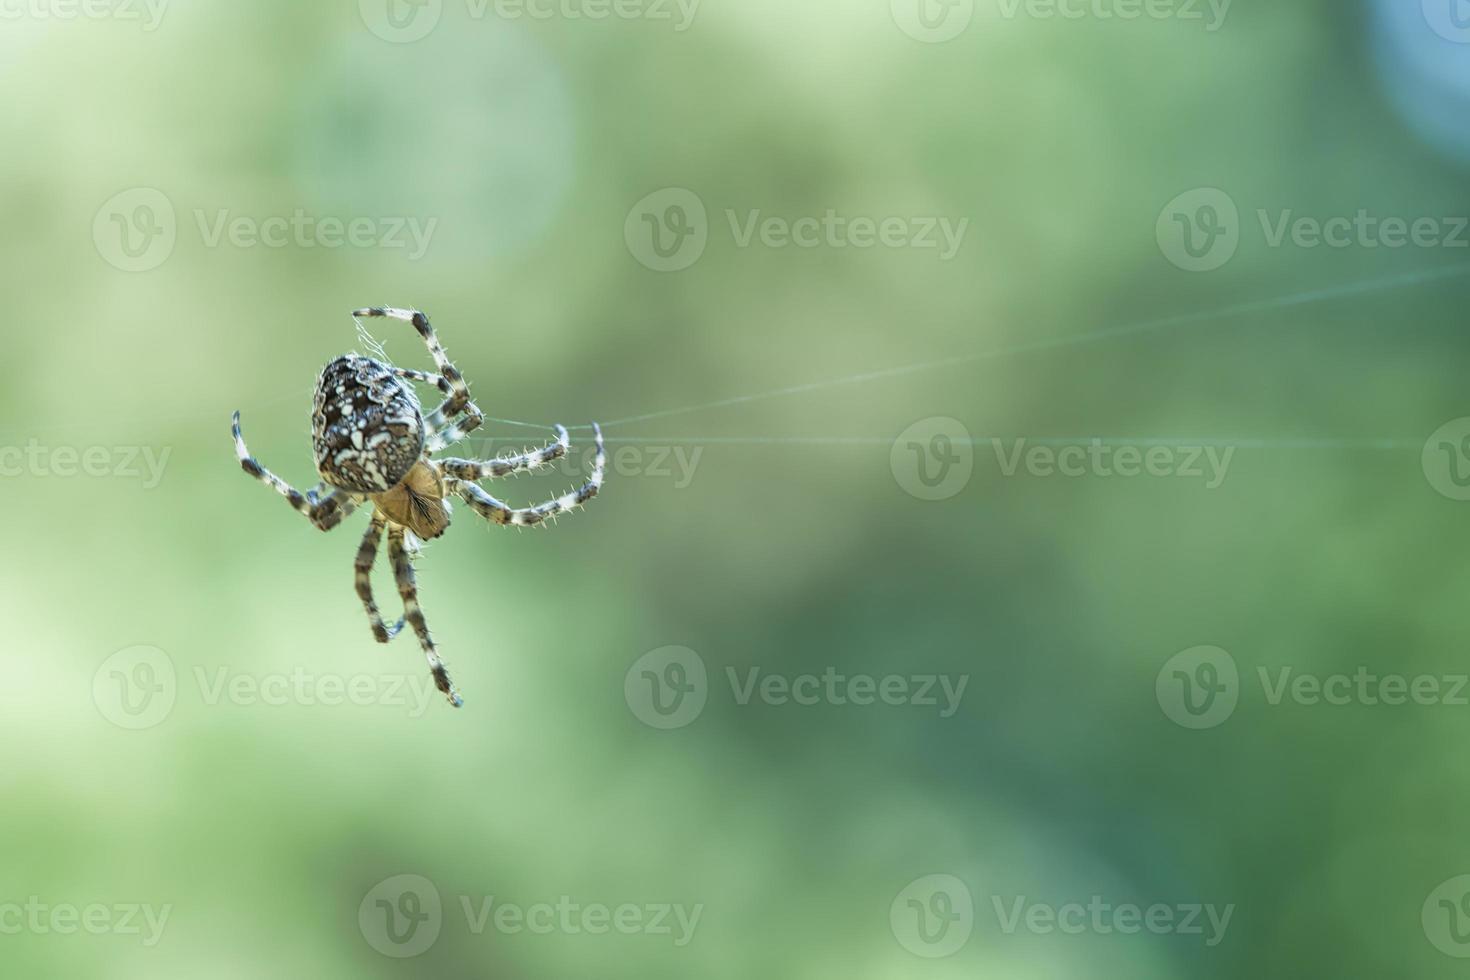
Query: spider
(373,443)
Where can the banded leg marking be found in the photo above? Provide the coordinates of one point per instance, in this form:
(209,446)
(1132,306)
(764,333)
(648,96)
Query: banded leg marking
(473,469)
(457,394)
(324,513)
(408,590)
(367,556)
(494,510)
(447,435)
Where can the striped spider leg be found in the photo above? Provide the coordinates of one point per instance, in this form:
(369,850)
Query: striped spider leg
(457,393)
(367,556)
(494,510)
(402,561)
(325,513)
(510,464)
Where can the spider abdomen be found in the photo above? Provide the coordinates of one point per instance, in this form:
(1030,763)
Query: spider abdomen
(367,427)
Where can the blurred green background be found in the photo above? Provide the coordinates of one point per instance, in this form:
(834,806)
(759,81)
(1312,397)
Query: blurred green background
(176,738)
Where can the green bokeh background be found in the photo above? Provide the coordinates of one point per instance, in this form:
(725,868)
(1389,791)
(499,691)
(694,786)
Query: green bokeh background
(794,548)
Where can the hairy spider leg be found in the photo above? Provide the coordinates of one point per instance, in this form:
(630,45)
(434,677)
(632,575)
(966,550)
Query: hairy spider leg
(509,464)
(408,590)
(324,513)
(367,556)
(493,510)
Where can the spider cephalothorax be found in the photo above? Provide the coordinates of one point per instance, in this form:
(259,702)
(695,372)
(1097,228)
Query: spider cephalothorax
(373,444)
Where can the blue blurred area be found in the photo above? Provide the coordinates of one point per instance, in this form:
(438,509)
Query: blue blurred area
(1422,54)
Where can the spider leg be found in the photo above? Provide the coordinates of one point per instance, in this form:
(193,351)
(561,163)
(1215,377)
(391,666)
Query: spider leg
(403,573)
(439,418)
(437,380)
(475,469)
(458,399)
(324,513)
(446,435)
(367,555)
(493,510)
